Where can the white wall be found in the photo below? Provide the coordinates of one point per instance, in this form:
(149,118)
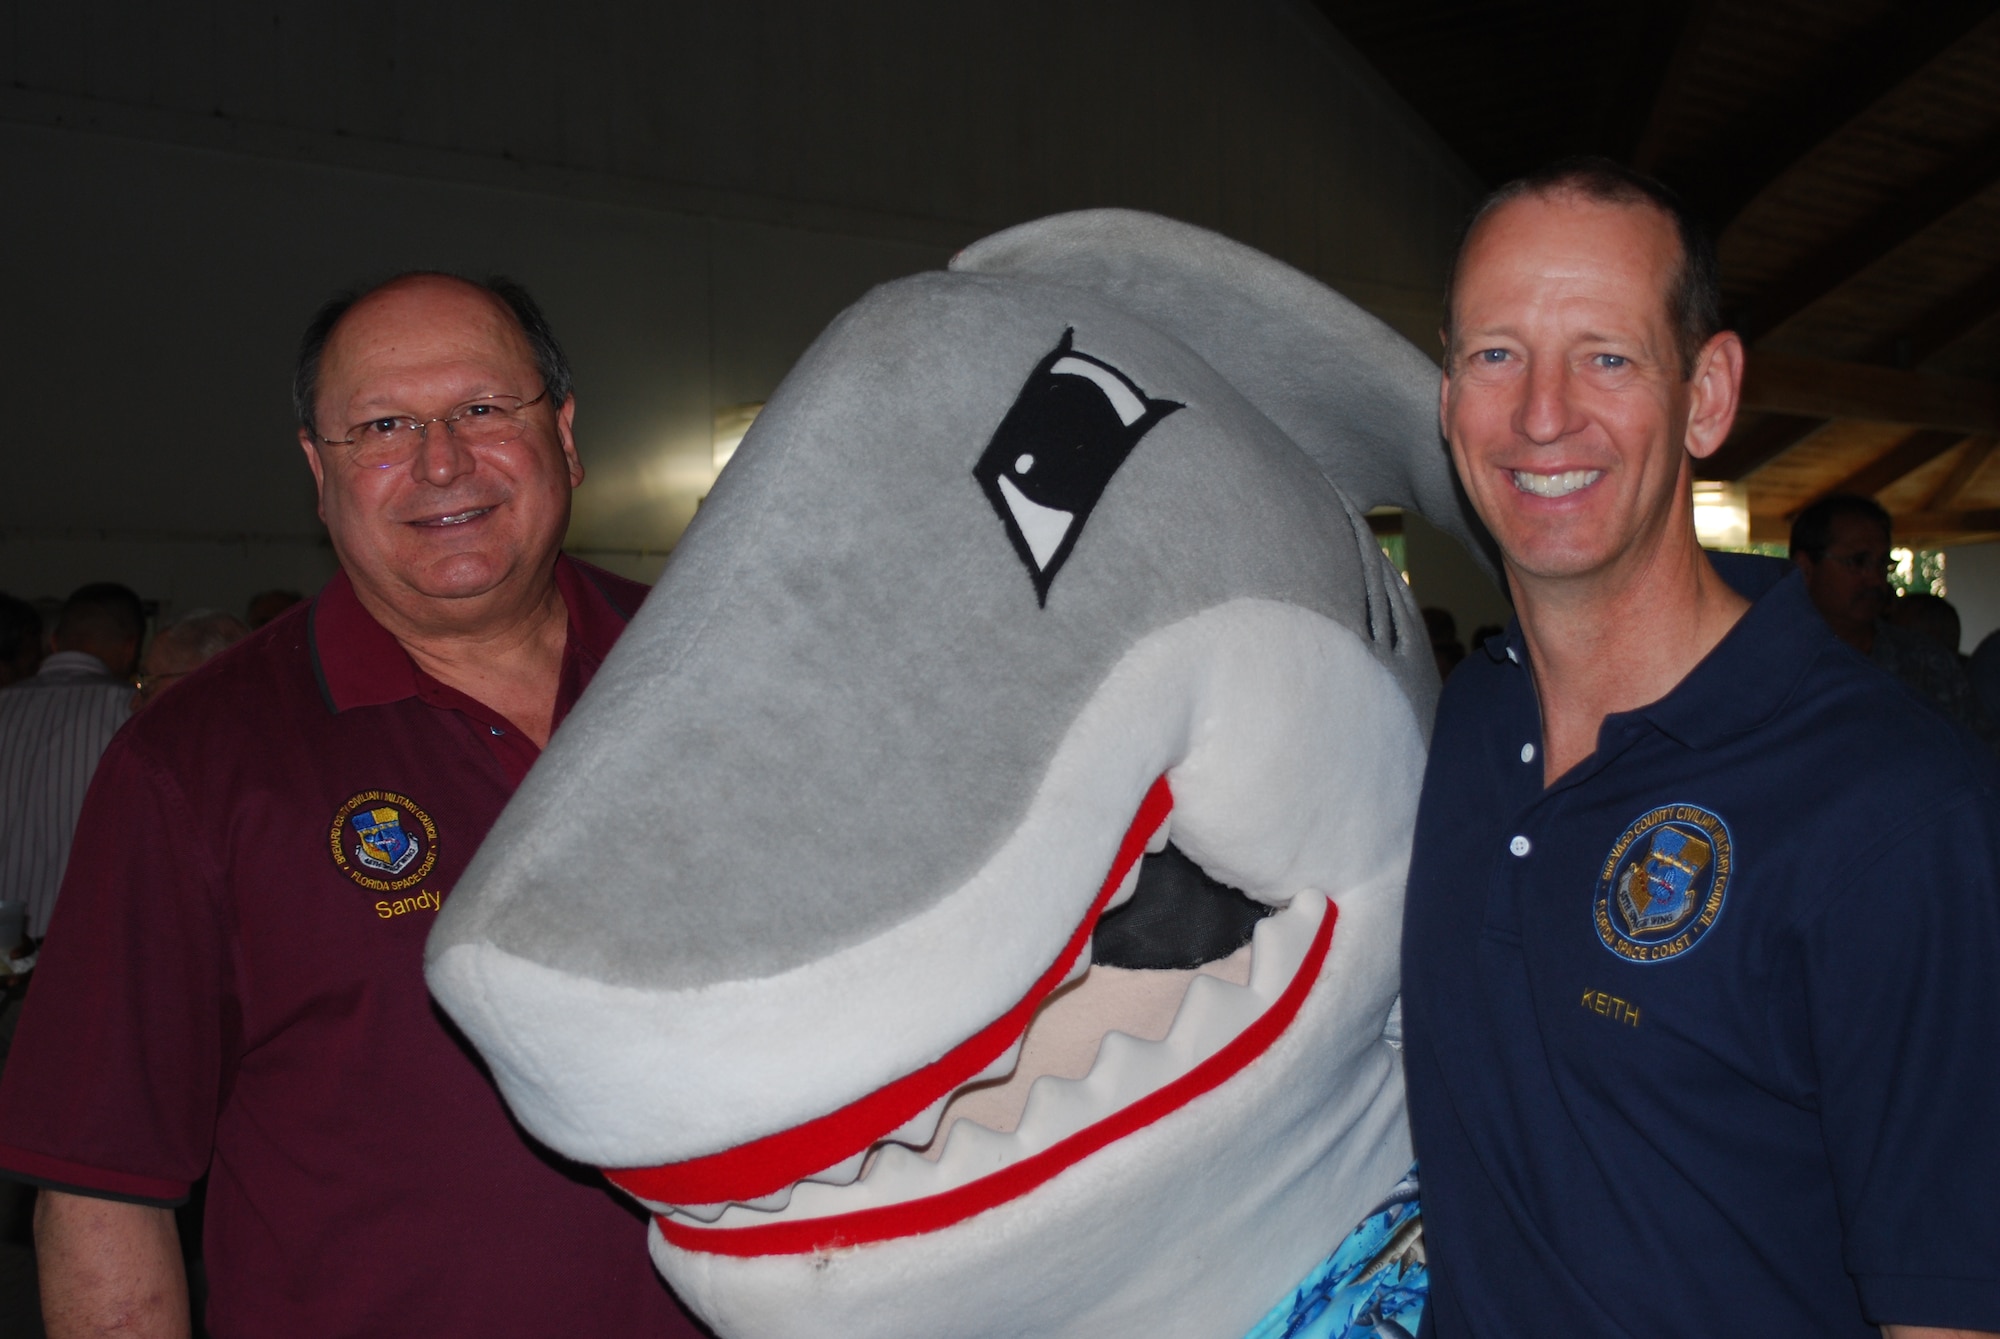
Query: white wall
(1972,584)
(692,191)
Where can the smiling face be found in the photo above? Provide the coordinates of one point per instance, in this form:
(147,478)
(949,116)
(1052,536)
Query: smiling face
(453,532)
(1569,413)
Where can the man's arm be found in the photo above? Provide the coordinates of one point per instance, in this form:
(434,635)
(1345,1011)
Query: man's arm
(108,1267)
(1921,1332)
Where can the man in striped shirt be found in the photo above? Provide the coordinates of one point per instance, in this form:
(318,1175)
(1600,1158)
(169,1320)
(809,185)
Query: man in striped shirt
(53,729)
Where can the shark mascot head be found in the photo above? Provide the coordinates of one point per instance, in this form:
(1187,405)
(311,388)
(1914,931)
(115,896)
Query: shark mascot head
(967,902)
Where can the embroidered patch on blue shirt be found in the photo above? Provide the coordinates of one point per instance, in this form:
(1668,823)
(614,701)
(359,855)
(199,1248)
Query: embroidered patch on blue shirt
(1373,1286)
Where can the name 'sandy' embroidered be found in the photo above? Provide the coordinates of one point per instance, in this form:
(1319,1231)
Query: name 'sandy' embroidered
(403,906)
(1611,1007)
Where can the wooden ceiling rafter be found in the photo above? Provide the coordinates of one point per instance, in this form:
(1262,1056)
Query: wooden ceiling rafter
(1943,325)
(1910,213)
(1978,450)
(1751,448)
(1801,113)
(1822,388)
(1915,527)
(1679,66)
(1910,453)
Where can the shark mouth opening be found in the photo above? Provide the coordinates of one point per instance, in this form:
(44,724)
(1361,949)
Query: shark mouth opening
(914,1156)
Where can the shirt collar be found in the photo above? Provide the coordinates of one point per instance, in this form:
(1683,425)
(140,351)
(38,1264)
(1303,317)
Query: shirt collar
(74,665)
(1755,667)
(1752,670)
(359,663)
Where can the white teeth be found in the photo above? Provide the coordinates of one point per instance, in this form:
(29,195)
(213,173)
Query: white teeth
(1126,887)
(1130,883)
(1555,485)
(1126,1069)
(1003,1065)
(918,1129)
(842,1172)
(1080,968)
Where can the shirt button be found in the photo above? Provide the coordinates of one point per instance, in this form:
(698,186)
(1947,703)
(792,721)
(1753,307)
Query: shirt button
(1527,753)
(496,729)
(1520,845)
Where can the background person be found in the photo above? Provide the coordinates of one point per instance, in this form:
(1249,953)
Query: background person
(53,729)
(1841,543)
(1684,1001)
(235,984)
(184,646)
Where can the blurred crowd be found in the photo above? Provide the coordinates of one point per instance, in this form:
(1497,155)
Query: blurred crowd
(72,671)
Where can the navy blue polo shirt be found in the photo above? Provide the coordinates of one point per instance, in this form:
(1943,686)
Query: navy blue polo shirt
(1702,1039)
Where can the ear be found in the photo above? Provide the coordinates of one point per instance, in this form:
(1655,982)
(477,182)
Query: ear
(1714,391)
(566,434)
(1357,397)
(318,468)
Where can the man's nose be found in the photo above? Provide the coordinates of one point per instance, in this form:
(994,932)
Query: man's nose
(1545,407)
(441,457)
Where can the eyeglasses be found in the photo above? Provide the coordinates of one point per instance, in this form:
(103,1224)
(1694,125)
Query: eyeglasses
(1861,564)
(491,420)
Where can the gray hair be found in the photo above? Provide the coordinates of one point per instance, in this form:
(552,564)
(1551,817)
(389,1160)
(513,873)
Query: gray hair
(200,634)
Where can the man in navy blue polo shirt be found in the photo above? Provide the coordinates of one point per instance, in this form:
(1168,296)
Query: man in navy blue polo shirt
(1700,1035)
(235,986)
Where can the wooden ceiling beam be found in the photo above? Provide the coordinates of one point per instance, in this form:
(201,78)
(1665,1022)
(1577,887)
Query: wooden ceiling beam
(1944,527)
(1912,453)
(1908,214)
(1796,116)
(1943,325)
(1682,32)
(1978,450)
(1782,384)
(1751,448)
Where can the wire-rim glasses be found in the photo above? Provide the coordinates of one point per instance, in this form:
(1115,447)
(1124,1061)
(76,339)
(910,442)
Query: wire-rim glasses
(490,420)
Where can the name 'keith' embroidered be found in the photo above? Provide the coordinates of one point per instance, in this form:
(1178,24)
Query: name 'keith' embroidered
(1662,886)
(383,841)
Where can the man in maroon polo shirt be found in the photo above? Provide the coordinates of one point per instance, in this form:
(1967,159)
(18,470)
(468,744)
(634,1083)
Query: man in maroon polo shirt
(234,981)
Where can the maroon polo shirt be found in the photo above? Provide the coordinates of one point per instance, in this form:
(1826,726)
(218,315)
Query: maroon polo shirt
(233,984)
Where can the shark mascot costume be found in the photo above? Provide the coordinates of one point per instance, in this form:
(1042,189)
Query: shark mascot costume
(967,903)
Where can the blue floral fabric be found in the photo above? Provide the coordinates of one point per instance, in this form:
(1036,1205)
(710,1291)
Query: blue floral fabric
(1373,1286)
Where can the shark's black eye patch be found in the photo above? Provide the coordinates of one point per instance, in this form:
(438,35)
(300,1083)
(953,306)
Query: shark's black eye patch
(1067,433)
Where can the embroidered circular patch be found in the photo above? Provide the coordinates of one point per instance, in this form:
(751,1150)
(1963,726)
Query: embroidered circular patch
(1662,886)
(383,841)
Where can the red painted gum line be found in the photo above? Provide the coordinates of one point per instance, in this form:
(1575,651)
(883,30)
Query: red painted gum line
(775,1161)
(935,1212)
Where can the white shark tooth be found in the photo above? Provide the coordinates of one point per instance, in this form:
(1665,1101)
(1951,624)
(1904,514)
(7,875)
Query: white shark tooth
(701,1213)
(1003,1064)
(1126,887)
(921,1128)
(772,1202)
(842,1172)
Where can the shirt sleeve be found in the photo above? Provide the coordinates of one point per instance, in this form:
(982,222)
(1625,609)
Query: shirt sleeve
(114,1078)
(1906,1037)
